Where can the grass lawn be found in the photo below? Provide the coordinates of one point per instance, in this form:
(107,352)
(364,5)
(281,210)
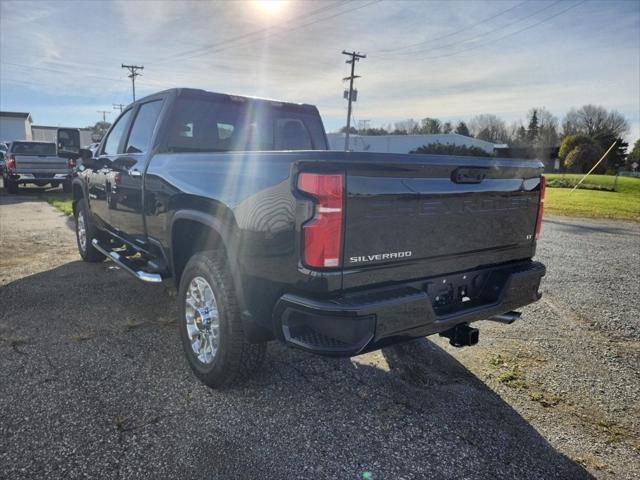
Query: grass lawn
(623,204)
(64,205)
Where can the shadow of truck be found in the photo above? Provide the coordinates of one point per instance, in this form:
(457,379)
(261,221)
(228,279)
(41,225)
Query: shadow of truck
(94,381)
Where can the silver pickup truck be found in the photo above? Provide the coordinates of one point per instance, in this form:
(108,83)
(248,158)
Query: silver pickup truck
(38,163)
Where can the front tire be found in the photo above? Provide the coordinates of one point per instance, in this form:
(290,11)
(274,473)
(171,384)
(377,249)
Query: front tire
(211,326)
(85,233)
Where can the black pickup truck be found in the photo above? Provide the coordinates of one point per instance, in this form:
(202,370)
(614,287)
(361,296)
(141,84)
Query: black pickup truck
(268,235)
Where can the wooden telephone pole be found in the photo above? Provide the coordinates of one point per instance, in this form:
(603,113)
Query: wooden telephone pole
(354,57)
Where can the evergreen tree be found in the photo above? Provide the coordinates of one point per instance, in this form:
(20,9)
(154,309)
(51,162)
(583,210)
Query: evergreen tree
(532,131)
(462,129)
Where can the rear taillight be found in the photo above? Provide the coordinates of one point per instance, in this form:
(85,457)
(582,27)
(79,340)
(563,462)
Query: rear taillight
(71,163)
(543,188)
(323,233)
(10,164)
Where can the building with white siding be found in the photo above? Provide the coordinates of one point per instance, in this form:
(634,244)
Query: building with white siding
(42,133)
(15,126)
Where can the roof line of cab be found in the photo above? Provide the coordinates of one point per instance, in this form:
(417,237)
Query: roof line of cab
(196,92)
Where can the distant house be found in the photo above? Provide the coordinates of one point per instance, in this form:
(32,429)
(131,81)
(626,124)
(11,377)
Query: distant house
(43,133)
(15,126)
(405,143)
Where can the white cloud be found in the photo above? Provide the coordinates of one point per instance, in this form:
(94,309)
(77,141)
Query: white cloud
(71,50)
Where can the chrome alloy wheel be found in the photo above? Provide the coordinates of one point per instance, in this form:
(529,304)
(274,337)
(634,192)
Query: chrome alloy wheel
(203,320)
(82,231)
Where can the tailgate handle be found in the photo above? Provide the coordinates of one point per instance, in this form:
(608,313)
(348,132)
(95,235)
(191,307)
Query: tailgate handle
(468,175)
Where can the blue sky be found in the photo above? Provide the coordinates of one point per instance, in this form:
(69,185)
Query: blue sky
(451,59)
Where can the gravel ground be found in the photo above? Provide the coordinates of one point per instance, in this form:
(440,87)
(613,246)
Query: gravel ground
(94,384)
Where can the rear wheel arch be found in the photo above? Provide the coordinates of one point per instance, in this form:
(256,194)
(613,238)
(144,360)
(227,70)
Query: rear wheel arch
(194,232)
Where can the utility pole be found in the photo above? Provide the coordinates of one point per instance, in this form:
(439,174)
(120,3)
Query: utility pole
(355,57)
(104,114)
(363,124)
(119,106)
(134,73)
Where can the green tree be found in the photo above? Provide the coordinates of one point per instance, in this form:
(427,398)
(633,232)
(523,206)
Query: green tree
(100,129)
(532,131)
(634,155)
(582,158)
(616,158)
(430,126)
(518,136)
(462,129)
(374,131)
(352,130)
(489,128)
(593,120)
(579,153)
(406,127)
(447,127)
(547,130)
(448,149)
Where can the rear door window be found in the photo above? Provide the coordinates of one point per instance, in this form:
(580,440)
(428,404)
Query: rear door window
(143,125)
(291,134)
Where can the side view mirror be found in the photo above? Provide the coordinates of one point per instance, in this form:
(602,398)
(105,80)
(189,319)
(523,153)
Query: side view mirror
(68,140)
(86,154)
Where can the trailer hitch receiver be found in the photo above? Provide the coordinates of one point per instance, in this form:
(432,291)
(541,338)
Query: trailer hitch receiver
(462,335)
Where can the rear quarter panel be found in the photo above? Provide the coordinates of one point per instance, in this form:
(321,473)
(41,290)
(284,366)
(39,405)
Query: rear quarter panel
(252,192)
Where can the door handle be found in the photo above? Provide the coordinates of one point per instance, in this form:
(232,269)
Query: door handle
(468,175)
(135,173)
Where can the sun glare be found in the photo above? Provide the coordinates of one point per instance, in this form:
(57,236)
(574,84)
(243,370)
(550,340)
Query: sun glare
(270,7)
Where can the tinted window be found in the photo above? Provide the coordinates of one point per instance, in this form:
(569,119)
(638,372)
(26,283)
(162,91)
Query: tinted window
(212,125)
(291,134)
(34,148)
(116,133)
(143,125)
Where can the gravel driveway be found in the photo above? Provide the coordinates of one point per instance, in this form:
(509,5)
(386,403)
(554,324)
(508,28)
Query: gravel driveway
(94,384)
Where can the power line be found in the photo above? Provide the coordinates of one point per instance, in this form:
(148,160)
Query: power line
(64,72)
(134,73)
(469,27)
(212,49)
(104,114)
(362,124)
(245,35)
(482,35)
(473,47)
(355,57)
(119,106)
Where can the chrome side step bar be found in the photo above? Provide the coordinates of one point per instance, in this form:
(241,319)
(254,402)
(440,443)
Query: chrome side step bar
(118,260)
(507,318)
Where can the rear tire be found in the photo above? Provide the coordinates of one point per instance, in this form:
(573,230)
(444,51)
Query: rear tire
(85,233)
(212,334)
(12,187)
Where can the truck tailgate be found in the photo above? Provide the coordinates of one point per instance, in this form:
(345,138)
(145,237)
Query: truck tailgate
(44,164)
(437,216)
